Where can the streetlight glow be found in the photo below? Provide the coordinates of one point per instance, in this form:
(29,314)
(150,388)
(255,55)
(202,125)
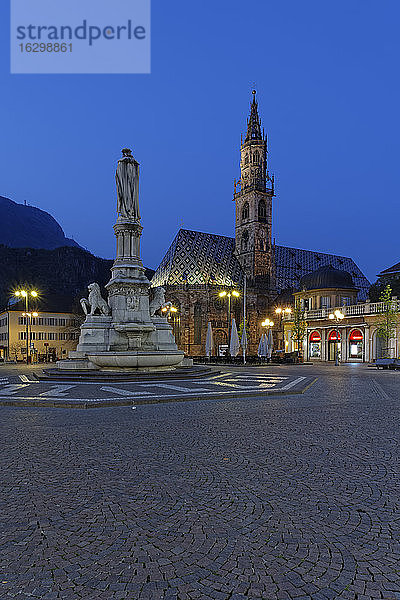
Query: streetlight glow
(236,294)
(222,294)
(278,311)
(28,317)
(267,323)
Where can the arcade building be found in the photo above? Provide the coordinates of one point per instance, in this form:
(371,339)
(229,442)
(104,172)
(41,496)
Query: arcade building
(355,337)
(198,266)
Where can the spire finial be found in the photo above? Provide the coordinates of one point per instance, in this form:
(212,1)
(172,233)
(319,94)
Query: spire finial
(253,123)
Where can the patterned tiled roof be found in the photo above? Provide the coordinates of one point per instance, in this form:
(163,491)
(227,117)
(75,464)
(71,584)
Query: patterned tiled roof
(197,258)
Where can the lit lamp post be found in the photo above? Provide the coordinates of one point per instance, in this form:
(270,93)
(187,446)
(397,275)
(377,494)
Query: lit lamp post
(25,294)
(337,316)
(29,317)
(228,294)
(282,311)
(268,324)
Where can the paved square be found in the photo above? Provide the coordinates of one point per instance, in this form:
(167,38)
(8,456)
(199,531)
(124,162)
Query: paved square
(285,497)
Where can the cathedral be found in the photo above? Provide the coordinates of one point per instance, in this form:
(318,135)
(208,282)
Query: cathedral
(204,274)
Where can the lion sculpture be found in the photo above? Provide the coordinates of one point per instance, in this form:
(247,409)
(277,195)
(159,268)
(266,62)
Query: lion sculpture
(158,302)
(94,301)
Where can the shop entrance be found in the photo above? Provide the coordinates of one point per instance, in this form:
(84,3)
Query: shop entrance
(315,344)
(333,345)
(356,345)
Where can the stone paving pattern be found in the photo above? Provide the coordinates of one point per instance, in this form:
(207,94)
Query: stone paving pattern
(289,498)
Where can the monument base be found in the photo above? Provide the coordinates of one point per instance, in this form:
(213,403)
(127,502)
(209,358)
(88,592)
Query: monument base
(134,361)
(93,352)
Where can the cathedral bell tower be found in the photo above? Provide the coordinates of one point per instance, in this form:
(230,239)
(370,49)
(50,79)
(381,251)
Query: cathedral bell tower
(253,196)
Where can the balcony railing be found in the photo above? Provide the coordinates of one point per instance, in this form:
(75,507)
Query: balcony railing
(354,310)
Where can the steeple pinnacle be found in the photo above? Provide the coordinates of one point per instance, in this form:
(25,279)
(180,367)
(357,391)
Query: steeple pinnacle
(253,122)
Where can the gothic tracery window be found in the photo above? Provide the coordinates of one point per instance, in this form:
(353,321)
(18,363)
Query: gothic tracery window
(245,241)
(245,211)
(262,211)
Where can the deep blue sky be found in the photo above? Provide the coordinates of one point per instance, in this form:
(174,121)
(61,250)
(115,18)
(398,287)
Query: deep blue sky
(327,76)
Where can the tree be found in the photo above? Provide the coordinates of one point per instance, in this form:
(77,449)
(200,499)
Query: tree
(299,327)
(388,318)
(240,332)
(14,351)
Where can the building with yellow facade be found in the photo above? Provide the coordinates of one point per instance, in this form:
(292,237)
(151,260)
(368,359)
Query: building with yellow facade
(50,335)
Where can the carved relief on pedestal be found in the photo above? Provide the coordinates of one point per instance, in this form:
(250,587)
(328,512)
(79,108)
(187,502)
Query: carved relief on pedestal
(132,300)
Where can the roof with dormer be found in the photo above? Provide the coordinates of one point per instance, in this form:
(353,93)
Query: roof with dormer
(197,258)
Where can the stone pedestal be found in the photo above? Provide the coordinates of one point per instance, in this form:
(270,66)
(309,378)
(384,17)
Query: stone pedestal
(95,334)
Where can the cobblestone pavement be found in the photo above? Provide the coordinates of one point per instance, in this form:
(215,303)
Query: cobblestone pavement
(19,386)
(285,497)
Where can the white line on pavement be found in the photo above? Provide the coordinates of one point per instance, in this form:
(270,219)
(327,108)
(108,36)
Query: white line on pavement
(57,390)
(292,383)
(124,392)
(180,389)
(12,388)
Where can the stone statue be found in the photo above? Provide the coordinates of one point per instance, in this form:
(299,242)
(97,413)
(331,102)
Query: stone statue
(95,301)
(158,302)
(127,179)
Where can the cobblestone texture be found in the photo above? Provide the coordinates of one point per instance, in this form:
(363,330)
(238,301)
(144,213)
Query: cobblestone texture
(289,498)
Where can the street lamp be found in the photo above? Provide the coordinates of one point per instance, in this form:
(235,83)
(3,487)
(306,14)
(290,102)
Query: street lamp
(228,294)
(25,294)
(337,316)
(267,323)
(29,316)
(281,312)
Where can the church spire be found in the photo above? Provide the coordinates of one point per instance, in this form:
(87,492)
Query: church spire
(253,122)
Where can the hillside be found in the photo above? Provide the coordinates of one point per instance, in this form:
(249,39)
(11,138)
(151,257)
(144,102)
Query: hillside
(26,226)
(61,275)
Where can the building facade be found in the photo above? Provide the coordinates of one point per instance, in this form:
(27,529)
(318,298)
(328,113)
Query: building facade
(50,335)
(355,338)
(199,266)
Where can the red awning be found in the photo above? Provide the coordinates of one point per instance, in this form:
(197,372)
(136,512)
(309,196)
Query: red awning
(315,336)
(356,336)
(332,336)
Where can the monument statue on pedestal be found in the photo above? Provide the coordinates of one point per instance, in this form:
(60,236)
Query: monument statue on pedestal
(130,332)
(127,179)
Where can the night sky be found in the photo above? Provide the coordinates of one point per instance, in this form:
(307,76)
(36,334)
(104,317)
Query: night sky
(327,80)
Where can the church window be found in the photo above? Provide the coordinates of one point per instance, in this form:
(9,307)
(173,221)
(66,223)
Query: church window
(246,159)
(197,323)
(245,241)
(262,211)
(245,211)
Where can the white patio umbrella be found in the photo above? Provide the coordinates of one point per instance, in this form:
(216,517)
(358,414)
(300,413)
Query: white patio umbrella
(244,342)
(209,341)
(262,347)
(269,343)
(234,343)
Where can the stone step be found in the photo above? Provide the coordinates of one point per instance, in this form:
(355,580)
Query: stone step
(108,376)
